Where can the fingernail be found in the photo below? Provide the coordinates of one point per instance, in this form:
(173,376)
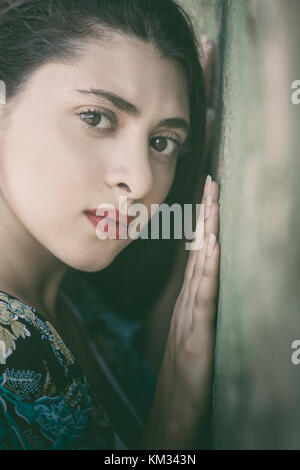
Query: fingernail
(207,185)
(211,244)
(208,203)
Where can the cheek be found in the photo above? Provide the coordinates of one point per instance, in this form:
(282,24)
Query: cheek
(46,197)
(45,183)
(30,174)
(163,179)
(45,167)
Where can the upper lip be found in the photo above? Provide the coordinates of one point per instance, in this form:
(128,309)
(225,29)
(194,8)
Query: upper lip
(116,217)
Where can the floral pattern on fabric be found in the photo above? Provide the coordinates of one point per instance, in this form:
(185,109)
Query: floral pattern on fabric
(45,400)
(10,330)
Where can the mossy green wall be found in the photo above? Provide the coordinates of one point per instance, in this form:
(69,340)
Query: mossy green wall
(255,158)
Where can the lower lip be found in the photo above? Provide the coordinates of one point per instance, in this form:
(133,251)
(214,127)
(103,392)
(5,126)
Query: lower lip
(117,229)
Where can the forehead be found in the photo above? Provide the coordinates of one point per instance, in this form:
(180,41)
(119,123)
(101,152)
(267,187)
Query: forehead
(125,66)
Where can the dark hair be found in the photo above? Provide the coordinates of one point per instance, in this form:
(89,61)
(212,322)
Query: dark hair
(33,32)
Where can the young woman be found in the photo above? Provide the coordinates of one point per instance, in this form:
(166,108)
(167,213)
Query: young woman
(103,99)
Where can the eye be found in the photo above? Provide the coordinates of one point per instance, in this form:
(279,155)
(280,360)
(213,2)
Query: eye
(98,119)
(165,145)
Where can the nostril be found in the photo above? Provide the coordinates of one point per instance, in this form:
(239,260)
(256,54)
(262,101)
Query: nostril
(124,185)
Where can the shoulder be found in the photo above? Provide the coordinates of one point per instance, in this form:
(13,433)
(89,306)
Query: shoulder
(22,366)
(32,356)
(16,322)
(38,378)
(24,334)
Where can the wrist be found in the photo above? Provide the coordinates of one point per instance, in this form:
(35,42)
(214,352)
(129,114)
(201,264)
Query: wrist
(173,423)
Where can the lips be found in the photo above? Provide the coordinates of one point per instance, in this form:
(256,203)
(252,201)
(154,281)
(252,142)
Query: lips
(113,215)
(93,218)
(117,223)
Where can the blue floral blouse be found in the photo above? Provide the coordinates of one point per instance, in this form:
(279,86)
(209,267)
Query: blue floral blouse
(45,400)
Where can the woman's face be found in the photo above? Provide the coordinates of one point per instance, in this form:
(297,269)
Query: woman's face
(66,151)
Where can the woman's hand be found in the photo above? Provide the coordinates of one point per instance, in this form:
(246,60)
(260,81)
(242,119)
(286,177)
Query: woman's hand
(183,391)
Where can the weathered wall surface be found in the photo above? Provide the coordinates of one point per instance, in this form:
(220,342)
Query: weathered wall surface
(256,161)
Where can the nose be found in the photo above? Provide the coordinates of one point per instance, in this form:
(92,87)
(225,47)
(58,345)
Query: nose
(129,172)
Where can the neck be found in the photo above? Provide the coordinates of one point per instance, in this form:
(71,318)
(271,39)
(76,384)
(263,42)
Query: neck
(27,269)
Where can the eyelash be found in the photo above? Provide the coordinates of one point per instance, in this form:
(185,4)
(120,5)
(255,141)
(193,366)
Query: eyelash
(109,116)
(113,120)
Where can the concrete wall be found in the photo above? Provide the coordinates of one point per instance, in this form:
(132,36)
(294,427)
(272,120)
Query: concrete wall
(255,158)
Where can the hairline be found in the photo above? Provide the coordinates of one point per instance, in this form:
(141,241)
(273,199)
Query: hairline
(101,33)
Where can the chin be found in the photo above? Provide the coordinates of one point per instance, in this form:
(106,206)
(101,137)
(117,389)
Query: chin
(92,262)
(91,266)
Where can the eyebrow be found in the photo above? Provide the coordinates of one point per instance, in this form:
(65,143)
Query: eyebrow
(131,109)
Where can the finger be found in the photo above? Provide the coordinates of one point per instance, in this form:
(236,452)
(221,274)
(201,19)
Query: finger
(212,189)
(201,290)
(199,239)
(203,228)
(211,209)
(211,225)
(206,294)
